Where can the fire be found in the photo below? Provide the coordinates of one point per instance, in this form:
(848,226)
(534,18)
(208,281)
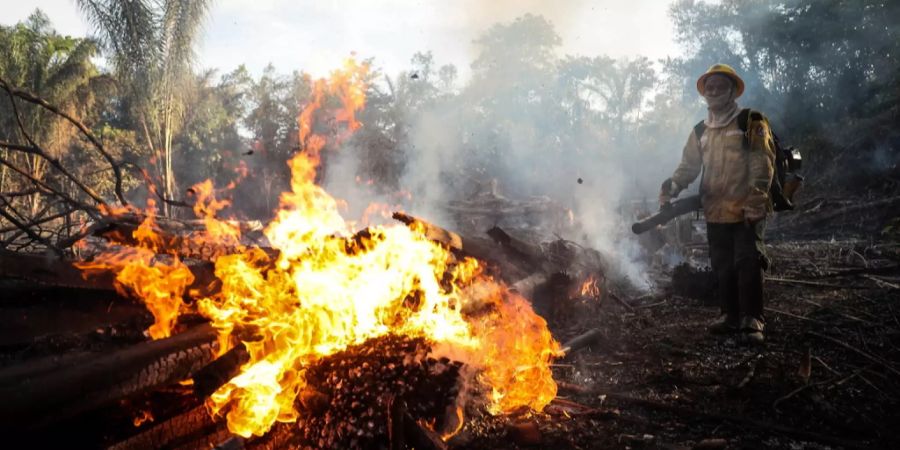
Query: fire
(329,287)
(160,282)
(591,287)
(142,417)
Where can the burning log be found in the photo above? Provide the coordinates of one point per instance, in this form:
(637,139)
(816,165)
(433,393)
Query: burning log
(55,271)
(405,432)
(168,433)
(177,237)
(218,372)
(462,246)
(49,397)
(433,232)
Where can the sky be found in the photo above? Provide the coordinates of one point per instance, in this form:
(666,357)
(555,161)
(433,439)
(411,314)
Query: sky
(316,35)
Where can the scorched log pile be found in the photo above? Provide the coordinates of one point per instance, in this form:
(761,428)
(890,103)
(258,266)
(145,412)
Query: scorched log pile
(383,393)
(355,397)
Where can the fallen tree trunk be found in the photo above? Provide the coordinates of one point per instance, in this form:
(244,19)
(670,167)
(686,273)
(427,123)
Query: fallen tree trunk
(195,422)
(50,270)
(31,369)
(35,402)
(54,271)
(215,374)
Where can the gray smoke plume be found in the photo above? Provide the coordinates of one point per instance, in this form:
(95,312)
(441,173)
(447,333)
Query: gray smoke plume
(531,127)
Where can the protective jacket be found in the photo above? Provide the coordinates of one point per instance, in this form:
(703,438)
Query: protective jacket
(736,178)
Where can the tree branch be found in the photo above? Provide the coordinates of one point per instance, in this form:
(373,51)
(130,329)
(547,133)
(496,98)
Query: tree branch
(31,98)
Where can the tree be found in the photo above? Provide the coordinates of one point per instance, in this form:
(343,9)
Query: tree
(210,145)
(59,69)
(150,44)
(617,89)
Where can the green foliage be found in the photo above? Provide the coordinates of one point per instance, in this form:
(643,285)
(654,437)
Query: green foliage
(58,68)
(150,44)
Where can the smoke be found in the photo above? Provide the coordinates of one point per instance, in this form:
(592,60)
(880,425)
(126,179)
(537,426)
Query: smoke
(523,134)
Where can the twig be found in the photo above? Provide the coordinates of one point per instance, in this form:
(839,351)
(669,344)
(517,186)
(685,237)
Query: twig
(24,193)
(785,313)
(651,305)
(92,211)
(866,355)
(38,151)
(861,271)
(40,221)
(152,187)
(826,366)
(814,283)
(881,282)
(621,301)
(751,373)
(836,380)
(30,232)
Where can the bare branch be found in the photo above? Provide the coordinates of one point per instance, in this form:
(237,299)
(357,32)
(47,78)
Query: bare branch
(92,211)
(81,127)
(28,230)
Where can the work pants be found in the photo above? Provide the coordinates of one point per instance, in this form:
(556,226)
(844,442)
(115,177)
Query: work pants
(738,258)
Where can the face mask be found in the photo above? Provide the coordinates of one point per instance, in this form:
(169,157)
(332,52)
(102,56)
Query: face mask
(718,101)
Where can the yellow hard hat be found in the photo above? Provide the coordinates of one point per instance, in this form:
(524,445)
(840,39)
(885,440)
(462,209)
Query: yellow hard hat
(723,69)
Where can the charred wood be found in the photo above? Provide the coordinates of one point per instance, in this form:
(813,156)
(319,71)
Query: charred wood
(184,239)
(38,401)
(50,270)
(231,443)
(530,255)
(169,433)
(32,369)
(582,340)
(404,431)
(811,220)
(211,377)
(61,272)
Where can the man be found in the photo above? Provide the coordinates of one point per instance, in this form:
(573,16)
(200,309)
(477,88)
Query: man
(737,169)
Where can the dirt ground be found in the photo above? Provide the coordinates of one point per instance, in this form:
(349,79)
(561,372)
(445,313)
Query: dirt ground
(826,377)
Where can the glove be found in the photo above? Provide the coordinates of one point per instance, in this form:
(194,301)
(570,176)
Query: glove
(667,192)
(753,215)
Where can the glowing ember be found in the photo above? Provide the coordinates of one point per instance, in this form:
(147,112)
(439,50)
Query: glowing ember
(142,417)
(329,288)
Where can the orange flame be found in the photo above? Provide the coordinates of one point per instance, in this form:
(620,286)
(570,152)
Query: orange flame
(159,282)
(591,287)
(142,417)
(328,288)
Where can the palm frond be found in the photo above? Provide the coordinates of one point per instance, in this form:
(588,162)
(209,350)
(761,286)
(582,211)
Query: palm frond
(129,30)
(181,23)
(73,71)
